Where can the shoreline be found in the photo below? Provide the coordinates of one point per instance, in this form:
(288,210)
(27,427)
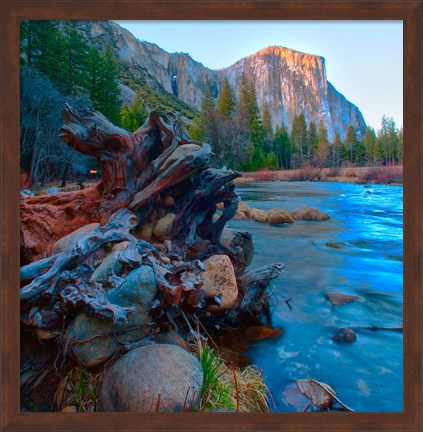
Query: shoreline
(387,175)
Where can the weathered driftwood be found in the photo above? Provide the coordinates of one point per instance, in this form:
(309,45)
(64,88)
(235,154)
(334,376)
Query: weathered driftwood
(136,167)
(146,175)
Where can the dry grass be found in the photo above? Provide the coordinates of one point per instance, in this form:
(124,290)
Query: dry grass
(228,388)
(77,389)
(378,175)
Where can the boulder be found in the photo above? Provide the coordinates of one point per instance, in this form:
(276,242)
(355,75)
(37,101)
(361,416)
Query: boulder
(309,214)
(109,266)
(345,335)
(66,241)
(152,378)
(244,208)
(239,215)
(219,281)
(164,226)
(338,299)
(139,290)
(258,215)
(279,216)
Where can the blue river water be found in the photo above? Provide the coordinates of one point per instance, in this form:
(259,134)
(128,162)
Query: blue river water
(367,224)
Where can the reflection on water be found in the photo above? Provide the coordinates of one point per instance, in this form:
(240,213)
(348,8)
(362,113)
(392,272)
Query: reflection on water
(366,227)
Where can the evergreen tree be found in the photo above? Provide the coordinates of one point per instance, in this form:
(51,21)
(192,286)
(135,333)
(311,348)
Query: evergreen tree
(388,140)
(225,100)
(282,147)
(322,152)
(256,154)
(400,146)
(102,83)
(131,118)
(350,144)
(202,125)
(311,142)
(371,147)
(247,98)
(268,128)
(299,139)
(72,78)
(336,151)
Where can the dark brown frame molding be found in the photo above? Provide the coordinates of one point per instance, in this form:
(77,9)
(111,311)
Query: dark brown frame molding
(410,11)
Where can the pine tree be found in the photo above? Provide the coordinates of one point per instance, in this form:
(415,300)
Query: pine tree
(201,128)
(247,98)
(299,139)
(388,139)
(349,148)
(371,147)
(311,142)
(131,118)
(282,147)
(268,128)
(400,146)
(322,152)
(336,151)
(102,83)
(225,101)
(72,78)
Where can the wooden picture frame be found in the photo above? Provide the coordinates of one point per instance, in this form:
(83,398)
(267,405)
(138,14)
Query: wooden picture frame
(13,11)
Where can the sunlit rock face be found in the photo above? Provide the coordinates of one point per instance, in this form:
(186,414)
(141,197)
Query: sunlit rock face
(291,82)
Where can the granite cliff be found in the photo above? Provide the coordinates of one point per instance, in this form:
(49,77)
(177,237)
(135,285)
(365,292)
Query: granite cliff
(288,80)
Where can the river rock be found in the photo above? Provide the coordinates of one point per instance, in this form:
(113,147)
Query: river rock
(345,335)
(164,226)
(120,246)
(168,201)
(146,231)
(239,215)
(244,208)
(258,215)
(139,290)
(69,409)
(66,241)
(309,214)
(338,299)
(109,266)
(219,280)
(135,381)
(279,216)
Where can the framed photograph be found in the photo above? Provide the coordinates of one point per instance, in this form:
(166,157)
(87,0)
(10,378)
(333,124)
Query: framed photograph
(211,215)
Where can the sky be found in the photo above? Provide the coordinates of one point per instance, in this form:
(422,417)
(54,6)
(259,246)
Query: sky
(364,59)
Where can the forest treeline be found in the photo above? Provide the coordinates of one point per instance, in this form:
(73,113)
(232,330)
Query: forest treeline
(242,136)
(58,66)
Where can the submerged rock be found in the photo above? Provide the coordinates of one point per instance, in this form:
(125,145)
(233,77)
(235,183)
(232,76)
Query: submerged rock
(345,335)
(92,338)
(279,216)
(309,214)
(150,378)
(219,280)
(338,299)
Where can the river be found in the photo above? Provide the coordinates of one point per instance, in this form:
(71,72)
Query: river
(366,223)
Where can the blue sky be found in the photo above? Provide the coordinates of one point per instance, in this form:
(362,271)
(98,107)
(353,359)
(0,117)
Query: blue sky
(364,59)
